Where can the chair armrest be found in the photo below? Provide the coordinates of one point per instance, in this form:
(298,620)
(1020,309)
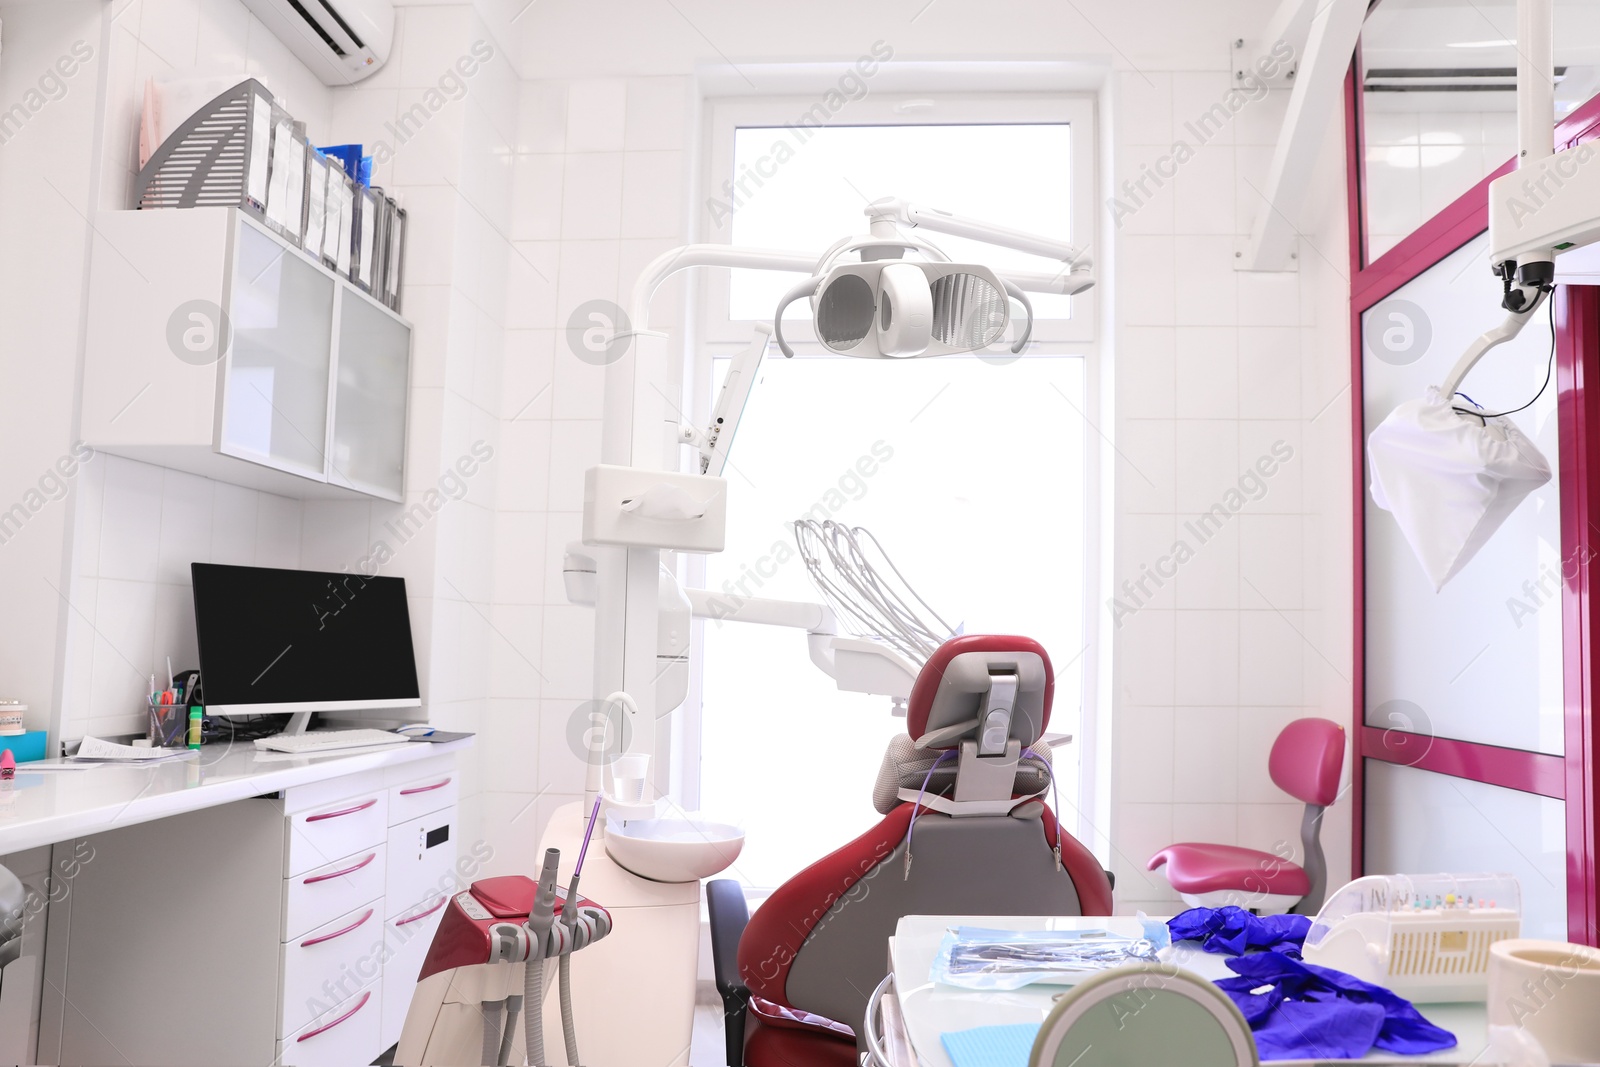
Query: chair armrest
(729,914)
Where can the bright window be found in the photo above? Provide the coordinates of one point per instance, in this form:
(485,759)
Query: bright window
(977,496)
(976,473)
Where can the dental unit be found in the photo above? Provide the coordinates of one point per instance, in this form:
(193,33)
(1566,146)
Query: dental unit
(888,294)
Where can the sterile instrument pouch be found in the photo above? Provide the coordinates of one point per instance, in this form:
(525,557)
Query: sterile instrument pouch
(1450,478)
(971,957)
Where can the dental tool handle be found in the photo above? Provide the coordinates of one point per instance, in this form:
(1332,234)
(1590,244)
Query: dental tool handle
(583,850)
(540,920)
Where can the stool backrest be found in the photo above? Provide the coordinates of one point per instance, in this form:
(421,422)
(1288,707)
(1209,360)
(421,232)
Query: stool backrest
(1306,760)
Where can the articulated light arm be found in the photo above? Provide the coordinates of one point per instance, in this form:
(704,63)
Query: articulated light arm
(1523,238)
(1502,333)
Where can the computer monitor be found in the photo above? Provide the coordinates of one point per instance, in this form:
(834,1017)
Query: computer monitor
(274,641)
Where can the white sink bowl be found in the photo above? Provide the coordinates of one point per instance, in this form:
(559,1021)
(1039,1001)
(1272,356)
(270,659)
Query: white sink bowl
(673,850)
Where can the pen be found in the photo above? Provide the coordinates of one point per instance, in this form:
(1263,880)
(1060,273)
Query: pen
(169,673)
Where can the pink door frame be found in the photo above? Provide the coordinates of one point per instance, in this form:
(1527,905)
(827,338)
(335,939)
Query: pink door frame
(1571,778)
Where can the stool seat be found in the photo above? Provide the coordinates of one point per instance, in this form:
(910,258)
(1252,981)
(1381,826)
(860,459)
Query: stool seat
(1205,868)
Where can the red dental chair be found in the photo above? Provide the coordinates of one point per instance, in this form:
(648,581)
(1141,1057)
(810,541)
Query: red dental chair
(796,979)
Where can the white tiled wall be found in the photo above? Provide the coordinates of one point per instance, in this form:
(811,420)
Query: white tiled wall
(600,177)
(138,529)
(1213,367)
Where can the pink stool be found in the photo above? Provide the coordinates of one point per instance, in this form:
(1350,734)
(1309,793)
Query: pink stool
(1305,763)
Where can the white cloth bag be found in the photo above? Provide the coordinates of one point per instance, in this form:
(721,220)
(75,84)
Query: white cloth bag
(1450,479)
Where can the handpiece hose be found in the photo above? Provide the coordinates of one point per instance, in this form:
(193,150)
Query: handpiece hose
(540,919)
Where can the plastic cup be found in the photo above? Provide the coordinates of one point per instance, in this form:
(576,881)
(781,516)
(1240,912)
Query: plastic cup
(627,778)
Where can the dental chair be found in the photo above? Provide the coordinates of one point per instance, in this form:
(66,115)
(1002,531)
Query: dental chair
(1305,762)
(965,831)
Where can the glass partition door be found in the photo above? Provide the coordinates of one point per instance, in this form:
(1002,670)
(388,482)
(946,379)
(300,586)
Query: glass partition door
(1477,666)
(1474,723)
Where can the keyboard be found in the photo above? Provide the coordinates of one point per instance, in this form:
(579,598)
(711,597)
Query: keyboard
(313,742)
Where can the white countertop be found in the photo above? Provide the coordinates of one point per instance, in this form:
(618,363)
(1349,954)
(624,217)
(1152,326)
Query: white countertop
(931,1010)
(45,806)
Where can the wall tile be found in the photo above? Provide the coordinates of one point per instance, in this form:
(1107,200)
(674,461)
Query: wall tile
(1207,660)
(596,115)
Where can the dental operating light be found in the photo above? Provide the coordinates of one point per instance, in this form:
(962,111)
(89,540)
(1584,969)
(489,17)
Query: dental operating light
(890,307)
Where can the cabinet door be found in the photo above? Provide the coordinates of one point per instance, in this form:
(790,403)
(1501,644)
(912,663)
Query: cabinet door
(275,400)
(369,409)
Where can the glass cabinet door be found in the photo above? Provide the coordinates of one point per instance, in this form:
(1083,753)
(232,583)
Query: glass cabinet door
(275,405)
(369,422)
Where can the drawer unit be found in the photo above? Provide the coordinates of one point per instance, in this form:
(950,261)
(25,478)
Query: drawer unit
(421,796)
(346,1034)
(322,894)
(322,834)
(422,857)
(328,963)
(407,936)
(337,885)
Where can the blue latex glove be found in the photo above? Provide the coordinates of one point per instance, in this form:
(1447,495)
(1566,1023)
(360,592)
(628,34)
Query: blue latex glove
(1316,1012)
(1233,930)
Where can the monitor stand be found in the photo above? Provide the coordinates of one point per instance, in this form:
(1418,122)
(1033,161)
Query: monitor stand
(298,723)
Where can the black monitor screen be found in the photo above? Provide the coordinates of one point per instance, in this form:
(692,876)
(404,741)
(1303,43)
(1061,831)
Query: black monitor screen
(285,637)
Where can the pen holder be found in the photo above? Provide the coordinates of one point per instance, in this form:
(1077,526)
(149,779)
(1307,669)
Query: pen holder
(168,724)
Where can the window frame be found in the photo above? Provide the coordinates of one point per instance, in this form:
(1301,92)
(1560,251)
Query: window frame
(713,334)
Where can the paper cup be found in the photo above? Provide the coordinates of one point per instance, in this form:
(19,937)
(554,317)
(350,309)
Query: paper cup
(627,778)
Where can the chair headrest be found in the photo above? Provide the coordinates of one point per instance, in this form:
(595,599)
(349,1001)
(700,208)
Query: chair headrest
(953,685)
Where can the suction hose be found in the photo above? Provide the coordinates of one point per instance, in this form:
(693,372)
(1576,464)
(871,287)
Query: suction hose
(568,1030)
(569,919)
(540,919)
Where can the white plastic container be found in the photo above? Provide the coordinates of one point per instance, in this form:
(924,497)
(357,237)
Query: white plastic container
(1424,936)
(11,715)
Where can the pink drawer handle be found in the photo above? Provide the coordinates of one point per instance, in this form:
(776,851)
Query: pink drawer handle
(315,878)
(308,942)
(424,788)
(363,806)
(324,1029)
(424,915)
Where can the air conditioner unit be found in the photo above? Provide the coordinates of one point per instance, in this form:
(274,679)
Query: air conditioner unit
(342,41)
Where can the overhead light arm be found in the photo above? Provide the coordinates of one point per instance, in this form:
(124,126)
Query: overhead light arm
(892,211)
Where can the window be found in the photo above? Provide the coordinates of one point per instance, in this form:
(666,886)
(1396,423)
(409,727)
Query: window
(976,473)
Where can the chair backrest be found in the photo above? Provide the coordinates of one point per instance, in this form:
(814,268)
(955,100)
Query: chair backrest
(819,943)
(1142,1014)
(1306,760)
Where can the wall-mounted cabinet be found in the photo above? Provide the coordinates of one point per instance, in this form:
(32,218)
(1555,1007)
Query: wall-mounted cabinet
(214,347)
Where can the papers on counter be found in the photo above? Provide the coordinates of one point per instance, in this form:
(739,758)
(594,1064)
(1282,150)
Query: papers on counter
(93,750)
